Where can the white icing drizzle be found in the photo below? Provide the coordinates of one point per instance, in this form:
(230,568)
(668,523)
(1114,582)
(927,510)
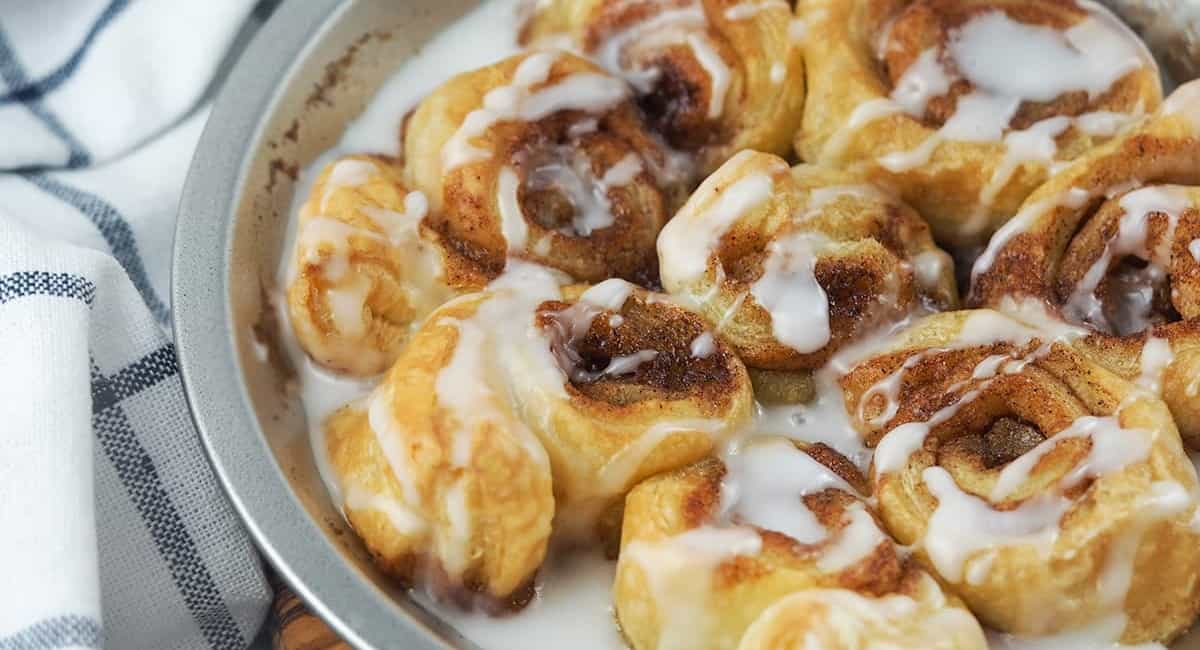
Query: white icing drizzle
(765,483)
(471,387)
(1105,123)
(671,26)
(328,238)
(326,242)
(1165,499)
(718,72)
(392,440)
(703,346)
(628,364)
(819,198)
(1194,249)
(929,267)
(464,387)
(623,172)
(1156,356)
(749,9)
(400,227)
(582,91)
(789,291)
(966,531)
(862,115)
(679,572)
(610,294)
(824,419)
(347,304)
(618,470)
(512,219)
(1035,144)
(331,237)
(1097,636)
(346,173)
(923,80)
(891,622)
(1132,238)
(981,328)
(1185,102)
(963,524)
(857,539)
(686,243)
(574,322)
(1089,56)
(570,174)
(571,608)
(583,127)
(797,30)
(888,389)
(764,487)
(778,72)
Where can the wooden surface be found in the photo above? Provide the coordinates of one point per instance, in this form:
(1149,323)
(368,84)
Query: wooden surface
(293,626)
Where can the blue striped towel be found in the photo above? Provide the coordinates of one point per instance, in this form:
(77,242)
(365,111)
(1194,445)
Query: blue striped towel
(113,530)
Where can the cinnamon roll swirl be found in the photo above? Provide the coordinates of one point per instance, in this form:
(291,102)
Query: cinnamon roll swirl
(966,106)
(724,553)
(648,389)
(1112,242)
(542,156)
(712,77)
(364,270)
(1050,494)
(791,264)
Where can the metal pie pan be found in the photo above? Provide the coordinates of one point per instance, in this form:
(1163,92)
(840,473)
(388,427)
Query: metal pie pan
(310,70)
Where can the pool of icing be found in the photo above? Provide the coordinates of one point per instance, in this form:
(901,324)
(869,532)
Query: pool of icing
(572,606)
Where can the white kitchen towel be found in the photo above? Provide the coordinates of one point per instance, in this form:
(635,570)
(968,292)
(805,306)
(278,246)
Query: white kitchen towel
(113,530)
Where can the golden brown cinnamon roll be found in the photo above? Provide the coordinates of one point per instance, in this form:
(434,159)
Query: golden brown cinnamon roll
(712,77)
(438,473)
(791,264)
(449,463)
(364,269)
(708,551)
(648,389)
(542,156)
(966,106)
(1047,492)
(1111,242)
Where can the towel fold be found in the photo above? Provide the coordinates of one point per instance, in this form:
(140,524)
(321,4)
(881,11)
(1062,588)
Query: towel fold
(113,530)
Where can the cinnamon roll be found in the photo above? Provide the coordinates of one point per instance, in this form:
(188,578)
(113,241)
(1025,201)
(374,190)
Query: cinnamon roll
(712,77)
(364,270)
(1051,495)
(440,477)
(791,264)
(449,463)
(647,389)
(1113,242)
(723,553)
(542,156)
(966,106)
